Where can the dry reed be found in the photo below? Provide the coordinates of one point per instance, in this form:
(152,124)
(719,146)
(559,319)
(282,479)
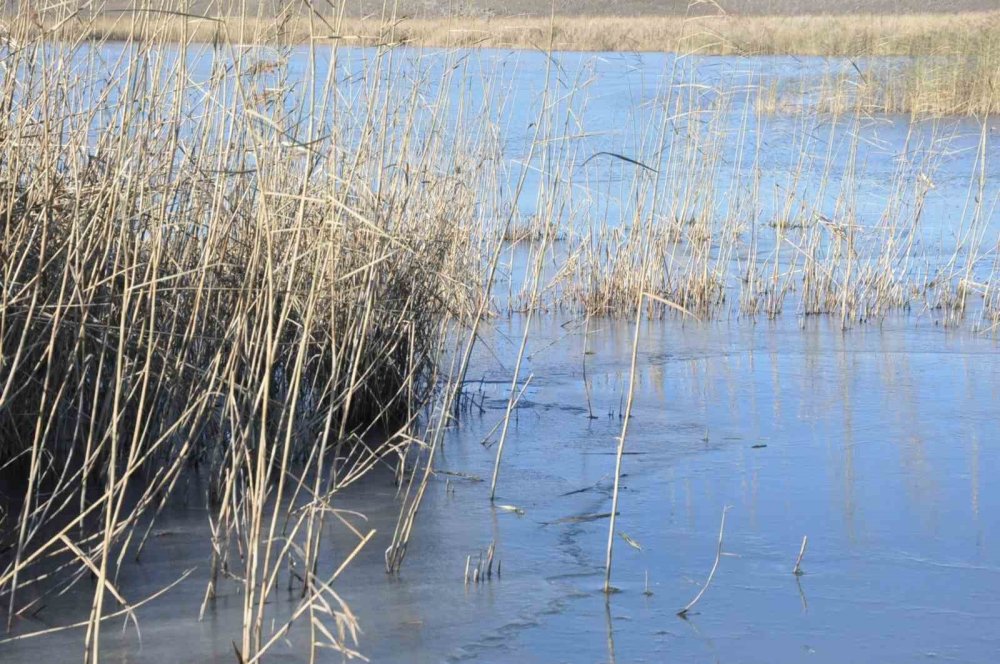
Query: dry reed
(850,35)
(201,265)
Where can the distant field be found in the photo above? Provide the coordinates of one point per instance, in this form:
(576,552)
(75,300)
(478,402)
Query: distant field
(488,8)
(673,7)
(969,33)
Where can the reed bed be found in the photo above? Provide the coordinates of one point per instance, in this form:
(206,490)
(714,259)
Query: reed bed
(931,86)
(695,218)
(204,265)
(851,35)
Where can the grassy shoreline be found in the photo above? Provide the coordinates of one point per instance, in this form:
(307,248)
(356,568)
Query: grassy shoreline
(829,35)
(955,68)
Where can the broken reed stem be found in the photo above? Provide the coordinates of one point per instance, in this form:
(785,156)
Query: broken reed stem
(715,565)
(797,571)
(483,570)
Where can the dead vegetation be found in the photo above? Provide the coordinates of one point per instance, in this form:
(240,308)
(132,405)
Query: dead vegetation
(850,35)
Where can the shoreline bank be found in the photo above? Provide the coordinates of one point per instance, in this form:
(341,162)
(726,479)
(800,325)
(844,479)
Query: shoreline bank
(826,35)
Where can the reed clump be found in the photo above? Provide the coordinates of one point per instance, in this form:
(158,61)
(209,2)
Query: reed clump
(925,86)
(696,218)
(203,265)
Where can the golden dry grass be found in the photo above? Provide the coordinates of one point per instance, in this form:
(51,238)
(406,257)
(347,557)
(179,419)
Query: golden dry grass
(223,274)
(955,85)
(846,35)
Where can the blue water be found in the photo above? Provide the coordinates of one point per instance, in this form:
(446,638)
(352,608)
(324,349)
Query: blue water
(878,443)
